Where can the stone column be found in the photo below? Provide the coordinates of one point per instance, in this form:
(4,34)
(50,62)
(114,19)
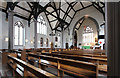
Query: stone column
(35,34)
(113,38)
(62,39)
(10,28)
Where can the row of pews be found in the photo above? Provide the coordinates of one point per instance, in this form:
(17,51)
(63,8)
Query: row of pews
(73,62)
(21,68)
(69,66)
(101,61)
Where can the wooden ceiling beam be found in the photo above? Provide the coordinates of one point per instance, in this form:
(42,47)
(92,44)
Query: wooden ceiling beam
(23,8)
(85,7)
(48,21)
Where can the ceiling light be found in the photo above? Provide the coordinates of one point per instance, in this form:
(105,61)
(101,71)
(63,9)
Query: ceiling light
(31,42)
(86,16)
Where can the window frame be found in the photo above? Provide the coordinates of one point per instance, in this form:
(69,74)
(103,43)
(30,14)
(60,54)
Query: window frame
(41,42)
(42,25)
(88,32)
(23,31)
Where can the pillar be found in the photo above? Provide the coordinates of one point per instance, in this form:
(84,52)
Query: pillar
(35,34)
(113,38)
(10,28)
(62,39)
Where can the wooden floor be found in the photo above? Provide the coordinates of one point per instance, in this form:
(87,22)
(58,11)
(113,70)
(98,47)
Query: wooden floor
(4,68)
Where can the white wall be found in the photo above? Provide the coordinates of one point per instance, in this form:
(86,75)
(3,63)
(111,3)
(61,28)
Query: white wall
(29,33)
(45,36)
(92,25)
(25,24)
(4,31)
(0,30)
(67,38)
(92,12)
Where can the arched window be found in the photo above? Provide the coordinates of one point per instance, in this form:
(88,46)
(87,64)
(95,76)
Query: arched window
(41,42)
(46,42)
(19,33)
(41,26)
(87,35)
(56,41)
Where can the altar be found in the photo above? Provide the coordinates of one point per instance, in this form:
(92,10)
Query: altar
(85,47)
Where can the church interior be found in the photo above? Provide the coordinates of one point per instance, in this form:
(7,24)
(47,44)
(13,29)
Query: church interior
(59,39)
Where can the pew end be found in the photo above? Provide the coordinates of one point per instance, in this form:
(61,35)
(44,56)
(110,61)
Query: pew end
(23,69)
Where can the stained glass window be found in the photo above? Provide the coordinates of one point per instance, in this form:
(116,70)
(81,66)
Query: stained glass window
(88,35)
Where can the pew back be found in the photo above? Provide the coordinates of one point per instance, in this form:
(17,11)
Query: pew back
(66,64)
(28,68)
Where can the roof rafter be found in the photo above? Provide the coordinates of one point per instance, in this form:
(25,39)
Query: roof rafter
(23,8)
(63,18)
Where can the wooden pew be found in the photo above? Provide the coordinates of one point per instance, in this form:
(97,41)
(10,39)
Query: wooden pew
(73,67)
(94,55)
(102,62)
(80,52)
(26,69)
(4,57)
(76,57)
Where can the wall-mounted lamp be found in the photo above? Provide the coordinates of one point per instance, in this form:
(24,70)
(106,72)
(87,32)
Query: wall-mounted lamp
(26,40)
(86,16)
(38,41)
(56,43)
(31,41)
(6,39)
(58,34)
(44,42)
(50,43)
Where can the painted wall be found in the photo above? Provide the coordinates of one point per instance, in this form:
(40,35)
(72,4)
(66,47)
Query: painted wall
(0,30)
(29,33)
(25,24)
(92,12)
(4,31)
(90,24)
(45,36)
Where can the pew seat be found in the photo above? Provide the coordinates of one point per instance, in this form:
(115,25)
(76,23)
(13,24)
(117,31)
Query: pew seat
(102,68)
(25,70)
(68,69)
(74,67)
(102,62)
